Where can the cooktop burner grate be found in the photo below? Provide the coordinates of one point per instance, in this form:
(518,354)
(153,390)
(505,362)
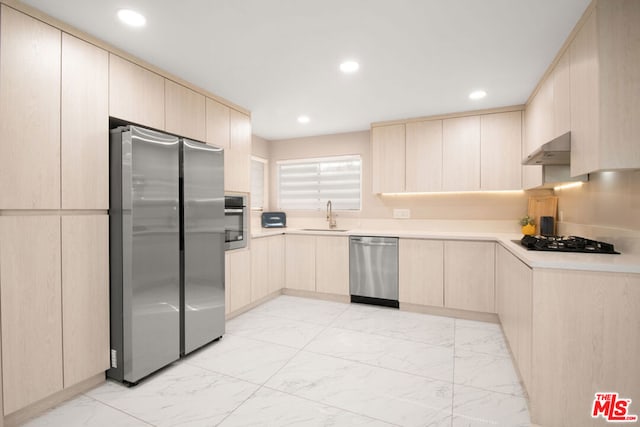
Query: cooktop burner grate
(566,244)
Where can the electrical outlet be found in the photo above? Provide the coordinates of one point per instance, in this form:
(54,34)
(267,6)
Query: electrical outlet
(401,213)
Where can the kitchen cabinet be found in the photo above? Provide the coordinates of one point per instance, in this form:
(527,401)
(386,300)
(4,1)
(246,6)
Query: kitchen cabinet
(514,303)
(30,306)
(30,55)
(136,94)
(501,151)
(217,123)
(605,81)
(585,341)
(276,263)
(259,268)
(423,156)
(85,297)
(332,265)
(238,279)
(300,262)
(561,78)
(461,154)
(237,158)
(184,111)
(388,158)
(85,125)
(539,129)
(469,275)
(421,272)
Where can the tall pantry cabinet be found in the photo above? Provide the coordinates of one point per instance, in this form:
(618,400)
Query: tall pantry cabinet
(53,210)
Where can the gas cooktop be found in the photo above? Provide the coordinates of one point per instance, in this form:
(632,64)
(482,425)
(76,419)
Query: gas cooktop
(566,244)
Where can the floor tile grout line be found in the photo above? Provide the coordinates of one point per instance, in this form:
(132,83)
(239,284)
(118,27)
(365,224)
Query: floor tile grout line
(118,409)
(239,405)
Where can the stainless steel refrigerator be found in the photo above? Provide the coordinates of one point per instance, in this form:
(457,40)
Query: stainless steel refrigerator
(166,248)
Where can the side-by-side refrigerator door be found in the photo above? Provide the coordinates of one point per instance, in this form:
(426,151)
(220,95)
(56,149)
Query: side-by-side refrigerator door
(151,246)
(203,245)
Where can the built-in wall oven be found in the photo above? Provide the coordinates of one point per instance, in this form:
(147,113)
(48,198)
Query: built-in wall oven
(235,221)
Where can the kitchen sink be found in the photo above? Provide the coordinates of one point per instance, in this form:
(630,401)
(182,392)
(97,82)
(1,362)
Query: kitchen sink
(324,229)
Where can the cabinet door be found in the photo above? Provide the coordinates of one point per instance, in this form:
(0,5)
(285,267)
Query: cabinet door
(135,93)
(259,268)
(387,159)
(237,159)
(276,263)
(185,111)
(239,284)
(423,157)
(332,265)
(421,272)
(469,276)
(29,113)
(461,154)
(85,125)
(30,305)
(585,99)
(85,296)
(562,95)
(300,263)
(217,118)
(501,152)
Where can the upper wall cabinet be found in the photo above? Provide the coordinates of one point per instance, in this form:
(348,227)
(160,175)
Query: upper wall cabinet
(237,158)
(29,112)
(388,158)
(85,124)
(423,156)
(185,111)
(135,93)
(217,122)
(461,154)
(501,151)
(605,83)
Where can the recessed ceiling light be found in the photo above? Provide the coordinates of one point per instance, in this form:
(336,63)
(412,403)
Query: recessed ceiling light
(132,18)
(303,119)
(477,94)
(349,67)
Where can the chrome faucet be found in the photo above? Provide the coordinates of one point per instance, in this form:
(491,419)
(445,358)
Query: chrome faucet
(330,217)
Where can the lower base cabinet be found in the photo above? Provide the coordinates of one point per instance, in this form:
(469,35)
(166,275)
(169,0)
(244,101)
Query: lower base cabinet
(267,266)
(300,262)
(332,265)
(237,279)
(421,272)
(469,275)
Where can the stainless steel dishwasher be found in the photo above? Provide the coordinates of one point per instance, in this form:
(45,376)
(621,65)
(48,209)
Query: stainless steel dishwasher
(373,270)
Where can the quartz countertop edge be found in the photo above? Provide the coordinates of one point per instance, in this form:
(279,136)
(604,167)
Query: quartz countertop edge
(624,263)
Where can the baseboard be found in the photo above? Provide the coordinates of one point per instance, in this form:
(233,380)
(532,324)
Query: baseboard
(316,295)
(19,417)
(253,305)
(450,312)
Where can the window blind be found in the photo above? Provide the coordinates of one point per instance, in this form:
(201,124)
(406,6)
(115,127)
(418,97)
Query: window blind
(308,184)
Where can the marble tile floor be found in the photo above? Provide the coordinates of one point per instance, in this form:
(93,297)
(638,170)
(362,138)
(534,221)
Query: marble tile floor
(304,362)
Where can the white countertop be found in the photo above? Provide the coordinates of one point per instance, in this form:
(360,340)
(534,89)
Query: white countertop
(623,263)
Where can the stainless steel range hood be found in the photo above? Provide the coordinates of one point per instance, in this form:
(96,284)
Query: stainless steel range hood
(555,152)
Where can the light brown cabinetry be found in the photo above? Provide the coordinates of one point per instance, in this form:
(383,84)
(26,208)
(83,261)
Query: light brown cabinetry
(85,124)
(276,263)
(135,93)
(217,123)
(332,265)
(30,305)
(388,158)
(184,111)
(259,268)
(238,279)
(237,158)
(421,272)
(585,341)
(423,156)
(85,296)
(300,262)
(461,154)
(561,78)
(501,151)
(30,55)
(469,275)
(513,295)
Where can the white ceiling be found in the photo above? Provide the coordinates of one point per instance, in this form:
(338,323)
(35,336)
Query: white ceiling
(279,58)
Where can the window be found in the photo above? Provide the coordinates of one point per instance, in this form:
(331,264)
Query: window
(308,184)
(258,183)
